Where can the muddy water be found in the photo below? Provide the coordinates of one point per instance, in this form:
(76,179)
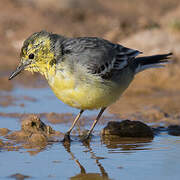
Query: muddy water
(101,159)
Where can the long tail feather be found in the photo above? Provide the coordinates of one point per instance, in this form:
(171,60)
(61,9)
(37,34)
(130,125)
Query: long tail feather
(146,62)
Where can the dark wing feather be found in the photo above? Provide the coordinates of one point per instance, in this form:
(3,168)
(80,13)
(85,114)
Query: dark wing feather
(100,56)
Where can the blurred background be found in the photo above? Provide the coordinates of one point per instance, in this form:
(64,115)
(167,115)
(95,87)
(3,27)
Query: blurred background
(151,26)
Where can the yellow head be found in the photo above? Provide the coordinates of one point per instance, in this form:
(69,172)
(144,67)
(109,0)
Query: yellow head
(38,53)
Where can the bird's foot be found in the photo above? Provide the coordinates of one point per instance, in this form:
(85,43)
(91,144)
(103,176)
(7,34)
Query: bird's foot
(67,138)
(85,138)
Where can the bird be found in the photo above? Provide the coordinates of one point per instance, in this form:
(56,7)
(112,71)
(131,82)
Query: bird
(86,73)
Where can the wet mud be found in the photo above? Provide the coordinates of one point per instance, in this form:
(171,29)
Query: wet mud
(34,133)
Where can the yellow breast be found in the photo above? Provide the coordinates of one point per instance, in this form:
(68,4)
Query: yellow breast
(82,94)
(83,90)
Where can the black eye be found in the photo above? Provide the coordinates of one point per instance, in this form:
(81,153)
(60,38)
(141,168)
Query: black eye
(31,56)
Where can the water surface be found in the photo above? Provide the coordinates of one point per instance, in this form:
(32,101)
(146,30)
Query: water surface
(101,159)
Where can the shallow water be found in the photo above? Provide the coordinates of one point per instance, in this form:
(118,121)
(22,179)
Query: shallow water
(39,100)
(102,159)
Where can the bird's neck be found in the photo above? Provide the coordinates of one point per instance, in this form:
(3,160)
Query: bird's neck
(47,72)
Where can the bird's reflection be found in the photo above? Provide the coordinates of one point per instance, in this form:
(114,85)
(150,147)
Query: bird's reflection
(83,175)
(120,145)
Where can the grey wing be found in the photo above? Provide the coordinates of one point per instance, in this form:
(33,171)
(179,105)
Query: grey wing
(100,56)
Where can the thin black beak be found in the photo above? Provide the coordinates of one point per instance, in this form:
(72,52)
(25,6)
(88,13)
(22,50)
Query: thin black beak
(17,71)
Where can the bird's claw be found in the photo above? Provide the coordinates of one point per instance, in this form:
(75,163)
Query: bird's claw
(67,138)
(85,138)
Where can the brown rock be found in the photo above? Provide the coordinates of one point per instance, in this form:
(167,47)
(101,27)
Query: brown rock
(128,128)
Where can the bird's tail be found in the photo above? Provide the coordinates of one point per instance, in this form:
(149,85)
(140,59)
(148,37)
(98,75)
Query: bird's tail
(156,61)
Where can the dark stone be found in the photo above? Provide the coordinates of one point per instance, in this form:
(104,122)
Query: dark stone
(174,130)
(128,128)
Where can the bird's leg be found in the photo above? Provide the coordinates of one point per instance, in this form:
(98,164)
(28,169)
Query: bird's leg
(93,125)
(67,135)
